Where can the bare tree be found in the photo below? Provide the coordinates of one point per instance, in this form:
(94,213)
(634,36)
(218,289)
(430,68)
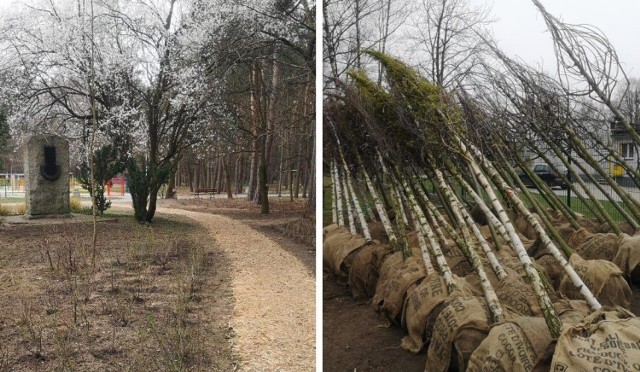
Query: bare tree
(446,32)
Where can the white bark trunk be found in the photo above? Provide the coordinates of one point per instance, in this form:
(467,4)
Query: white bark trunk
(339,196)
(334,199)
(382,212)
(491,218)
(548,243)
(348,200)
(469,251)
(422,225)
(356,202)
(551,317)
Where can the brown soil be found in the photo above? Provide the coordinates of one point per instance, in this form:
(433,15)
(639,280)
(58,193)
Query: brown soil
(161,297)
(356,339)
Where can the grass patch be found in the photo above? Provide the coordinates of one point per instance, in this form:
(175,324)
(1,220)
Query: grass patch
(578,206)
(12,200)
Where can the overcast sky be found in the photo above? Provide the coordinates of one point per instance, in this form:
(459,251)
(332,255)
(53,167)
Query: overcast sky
(521,31)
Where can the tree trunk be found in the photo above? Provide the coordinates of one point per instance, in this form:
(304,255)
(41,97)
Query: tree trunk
(227,175)
(253,171)
(171,187)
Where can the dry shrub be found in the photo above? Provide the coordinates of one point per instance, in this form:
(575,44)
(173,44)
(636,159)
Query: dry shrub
(178,336)
(21,209)
(75,204)
(66,256)
(31,328)
(5,211)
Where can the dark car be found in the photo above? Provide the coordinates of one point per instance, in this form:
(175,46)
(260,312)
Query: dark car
(547,175)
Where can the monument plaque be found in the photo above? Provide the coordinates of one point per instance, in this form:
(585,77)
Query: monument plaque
(46,170)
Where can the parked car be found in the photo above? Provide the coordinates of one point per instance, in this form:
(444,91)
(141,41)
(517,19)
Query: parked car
(547,175)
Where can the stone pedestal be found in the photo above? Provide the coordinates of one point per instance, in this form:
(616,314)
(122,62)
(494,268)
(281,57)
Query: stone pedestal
(46,170)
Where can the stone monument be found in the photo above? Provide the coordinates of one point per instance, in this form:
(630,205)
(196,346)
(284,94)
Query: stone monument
(46,170)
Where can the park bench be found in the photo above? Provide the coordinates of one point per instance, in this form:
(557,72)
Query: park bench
(210,192)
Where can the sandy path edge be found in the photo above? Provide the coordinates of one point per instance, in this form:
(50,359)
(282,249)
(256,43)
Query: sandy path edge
(273,319)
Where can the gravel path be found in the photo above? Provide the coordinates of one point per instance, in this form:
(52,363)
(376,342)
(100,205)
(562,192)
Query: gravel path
(273,319)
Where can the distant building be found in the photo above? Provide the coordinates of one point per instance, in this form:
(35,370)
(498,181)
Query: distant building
(622,142)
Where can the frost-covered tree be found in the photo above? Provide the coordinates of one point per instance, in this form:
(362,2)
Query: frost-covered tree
(159,71)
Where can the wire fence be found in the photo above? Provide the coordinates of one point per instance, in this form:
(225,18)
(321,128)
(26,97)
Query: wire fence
(577,200)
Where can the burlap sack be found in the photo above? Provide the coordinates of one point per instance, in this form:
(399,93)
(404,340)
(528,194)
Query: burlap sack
(509,260)
(338,252)
(530,245)
(624,227)
(329,246)
(603,341)
(628,257)
(333,229)
(524,343)
(571,311)
(597,246)
(456,260)
(517,296)
(551,268)
(365,266)
(390,295)
(602,277)
(521,344)
(377,231)
(458,331)
(389,266)
(513,292)
(588,224)
(523,226)
(577,237)
(422,307)
(565,230)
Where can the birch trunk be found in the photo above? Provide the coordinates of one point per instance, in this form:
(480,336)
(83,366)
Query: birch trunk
(348,200)
(551,317)
(338,194)
(491,218)
(424,249)
(543,215)
(400,222)
(513,197)
(382,212)
(422,225)
(469,252)
(334,201)
(356,202)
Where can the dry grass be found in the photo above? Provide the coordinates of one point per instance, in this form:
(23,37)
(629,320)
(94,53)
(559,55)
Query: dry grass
(5,210)
(140,307)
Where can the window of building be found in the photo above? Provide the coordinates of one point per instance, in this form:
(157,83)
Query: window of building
(626,150)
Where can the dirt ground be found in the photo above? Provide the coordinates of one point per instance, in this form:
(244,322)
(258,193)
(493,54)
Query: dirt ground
(159,297)
(355,339)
